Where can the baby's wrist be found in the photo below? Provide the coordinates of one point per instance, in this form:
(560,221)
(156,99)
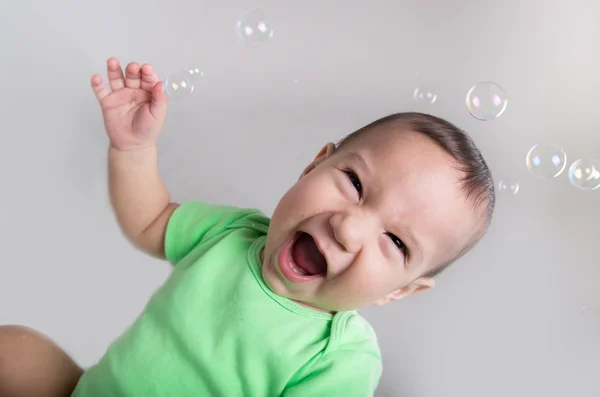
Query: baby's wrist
(132,148)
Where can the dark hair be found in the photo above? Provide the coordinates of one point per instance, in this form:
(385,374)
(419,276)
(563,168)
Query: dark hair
(478,183)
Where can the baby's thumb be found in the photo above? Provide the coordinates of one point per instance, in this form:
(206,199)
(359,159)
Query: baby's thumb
(158,105)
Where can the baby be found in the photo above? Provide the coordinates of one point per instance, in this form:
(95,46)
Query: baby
(267,307)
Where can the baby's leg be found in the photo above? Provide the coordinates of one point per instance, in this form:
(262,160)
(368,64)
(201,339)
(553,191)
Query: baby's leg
(32,365)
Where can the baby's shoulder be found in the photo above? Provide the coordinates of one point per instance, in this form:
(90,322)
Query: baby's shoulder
(351,331)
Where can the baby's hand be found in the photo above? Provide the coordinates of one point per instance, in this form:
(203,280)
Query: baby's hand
(134,112)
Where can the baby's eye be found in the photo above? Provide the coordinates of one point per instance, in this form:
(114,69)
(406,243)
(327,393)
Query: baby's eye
(355,181)
(398,243)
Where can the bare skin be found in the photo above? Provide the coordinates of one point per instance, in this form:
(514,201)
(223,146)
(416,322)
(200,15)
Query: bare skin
(31,365)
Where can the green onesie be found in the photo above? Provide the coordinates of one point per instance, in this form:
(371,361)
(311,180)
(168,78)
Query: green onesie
(215,328)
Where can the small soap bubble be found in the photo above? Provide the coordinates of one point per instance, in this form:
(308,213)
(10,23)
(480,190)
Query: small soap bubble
(508,186)
(585,174)
(195,73)
(546,161)
(486,101)
(179,84)
(253,29)
(424,94)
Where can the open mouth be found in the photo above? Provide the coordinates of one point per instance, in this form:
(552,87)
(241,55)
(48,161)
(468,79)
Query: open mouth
(307,256)
(301,260)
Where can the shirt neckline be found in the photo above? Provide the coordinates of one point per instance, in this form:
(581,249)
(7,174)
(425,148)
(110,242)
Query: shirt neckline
(256,267)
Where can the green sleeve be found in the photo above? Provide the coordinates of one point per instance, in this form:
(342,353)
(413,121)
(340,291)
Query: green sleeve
(195,222)
(341,373)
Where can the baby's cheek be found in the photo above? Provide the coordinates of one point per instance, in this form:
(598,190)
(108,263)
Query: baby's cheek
(366,288)
(379,276)
(292,208)
(308,197)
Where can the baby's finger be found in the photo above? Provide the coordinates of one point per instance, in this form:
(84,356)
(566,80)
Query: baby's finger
(133,75)
(149,78)
(115,74)
(99,88)
(158,106)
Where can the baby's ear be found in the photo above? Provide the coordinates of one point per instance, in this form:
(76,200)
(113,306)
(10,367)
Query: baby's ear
(419,285)
(324,154)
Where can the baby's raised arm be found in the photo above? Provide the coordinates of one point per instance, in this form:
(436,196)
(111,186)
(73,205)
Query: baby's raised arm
(139,198)
(134,112)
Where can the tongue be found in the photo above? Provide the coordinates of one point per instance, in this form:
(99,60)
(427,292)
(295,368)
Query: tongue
(307,255)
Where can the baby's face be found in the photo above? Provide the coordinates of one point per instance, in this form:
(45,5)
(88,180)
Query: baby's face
(370,218)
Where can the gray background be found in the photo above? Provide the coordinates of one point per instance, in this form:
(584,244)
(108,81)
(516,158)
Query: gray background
(519,316)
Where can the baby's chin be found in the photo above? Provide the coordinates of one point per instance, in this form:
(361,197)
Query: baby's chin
(275,285)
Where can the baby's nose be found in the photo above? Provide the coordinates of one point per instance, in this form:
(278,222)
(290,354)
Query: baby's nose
(350,230)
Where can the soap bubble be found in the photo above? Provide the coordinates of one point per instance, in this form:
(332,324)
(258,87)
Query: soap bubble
(424,94)
(253,29)
(508,186)
(546,161)
(585,174)
(195,72)
(486,101)
(179,84)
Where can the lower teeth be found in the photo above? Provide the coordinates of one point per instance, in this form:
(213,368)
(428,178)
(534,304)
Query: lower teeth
(298,270)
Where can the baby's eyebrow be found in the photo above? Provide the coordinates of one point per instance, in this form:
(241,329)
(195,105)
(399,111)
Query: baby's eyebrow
(356,157)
